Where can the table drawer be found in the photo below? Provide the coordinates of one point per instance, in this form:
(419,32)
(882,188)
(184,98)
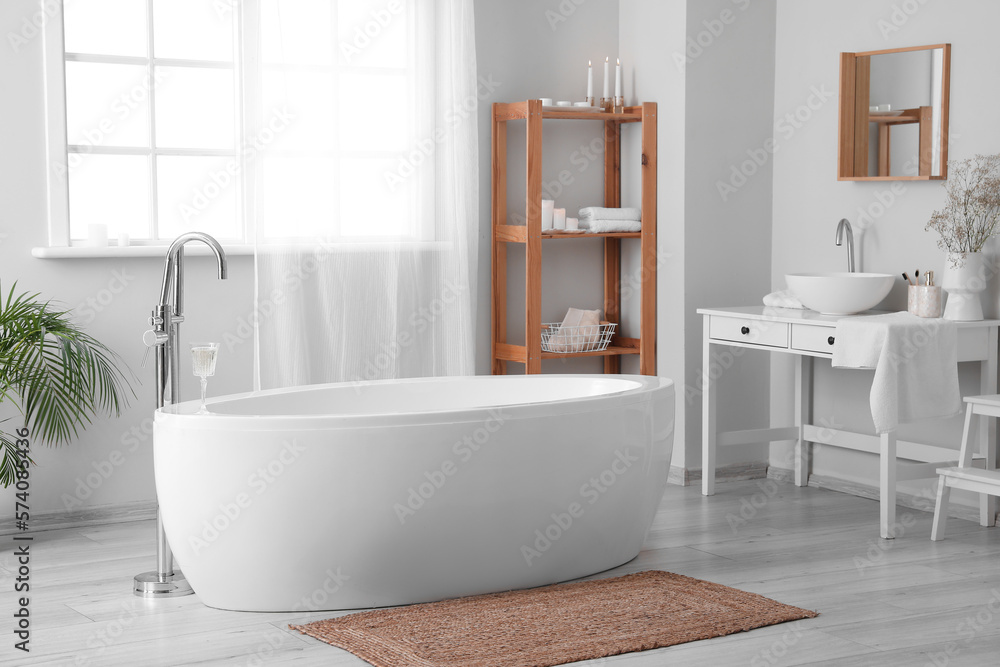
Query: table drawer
(812,338)
(753,332)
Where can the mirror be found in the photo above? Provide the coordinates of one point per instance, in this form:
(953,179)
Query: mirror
(894,114)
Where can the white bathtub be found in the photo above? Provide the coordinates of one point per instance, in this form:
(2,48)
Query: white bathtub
(346,496)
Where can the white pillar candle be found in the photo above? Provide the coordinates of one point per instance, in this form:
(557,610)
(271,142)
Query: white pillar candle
(123,240)
(97,235)
(559,218)
(607,80)
(572,223)
(618,78)
(547,206)
(590,79)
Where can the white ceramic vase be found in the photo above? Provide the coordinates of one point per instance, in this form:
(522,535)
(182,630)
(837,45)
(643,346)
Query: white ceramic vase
(964,285)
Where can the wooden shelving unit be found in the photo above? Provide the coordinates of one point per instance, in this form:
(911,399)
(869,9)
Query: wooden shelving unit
(530,354)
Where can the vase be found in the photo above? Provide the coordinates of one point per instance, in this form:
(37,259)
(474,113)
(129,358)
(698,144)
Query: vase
(964,285)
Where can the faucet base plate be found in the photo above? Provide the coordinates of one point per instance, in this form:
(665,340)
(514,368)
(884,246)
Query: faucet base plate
(151,585)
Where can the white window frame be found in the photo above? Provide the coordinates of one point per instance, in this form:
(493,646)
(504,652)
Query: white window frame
(247,125)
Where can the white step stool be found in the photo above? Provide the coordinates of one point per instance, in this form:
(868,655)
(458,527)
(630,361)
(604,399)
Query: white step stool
(964,476)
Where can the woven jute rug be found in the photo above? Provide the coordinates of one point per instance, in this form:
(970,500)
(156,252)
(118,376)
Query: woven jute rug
(552,625)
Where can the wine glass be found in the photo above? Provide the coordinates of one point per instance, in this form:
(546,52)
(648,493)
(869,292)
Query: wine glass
(203,356)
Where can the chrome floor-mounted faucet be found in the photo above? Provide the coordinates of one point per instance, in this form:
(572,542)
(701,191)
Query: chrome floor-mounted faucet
(164,337)
(841,226)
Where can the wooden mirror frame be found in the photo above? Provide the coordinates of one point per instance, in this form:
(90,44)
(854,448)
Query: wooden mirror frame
(855,70)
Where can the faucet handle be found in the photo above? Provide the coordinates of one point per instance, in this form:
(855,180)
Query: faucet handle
(151,339)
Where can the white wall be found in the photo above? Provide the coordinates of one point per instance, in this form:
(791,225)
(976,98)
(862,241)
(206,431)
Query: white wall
(709,65)
(808,200)
(214,308)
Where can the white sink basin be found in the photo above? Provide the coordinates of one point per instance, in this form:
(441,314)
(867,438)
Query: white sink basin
(840,293)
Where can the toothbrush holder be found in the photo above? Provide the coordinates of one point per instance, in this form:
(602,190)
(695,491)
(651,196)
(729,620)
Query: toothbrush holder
(924,300)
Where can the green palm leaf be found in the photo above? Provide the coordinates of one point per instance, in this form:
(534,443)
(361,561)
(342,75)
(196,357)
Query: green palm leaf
(58,376)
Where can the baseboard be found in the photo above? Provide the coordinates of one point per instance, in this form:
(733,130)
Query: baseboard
(870,491)
(730,473)
(92,516)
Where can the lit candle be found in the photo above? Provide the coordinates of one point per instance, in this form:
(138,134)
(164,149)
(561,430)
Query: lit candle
(618,79)
(607,80)
(590,79)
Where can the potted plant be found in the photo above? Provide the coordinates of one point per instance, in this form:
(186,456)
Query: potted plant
(57,376)
(968,220)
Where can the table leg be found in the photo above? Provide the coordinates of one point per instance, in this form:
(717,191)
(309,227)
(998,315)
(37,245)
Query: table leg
(803,416)
(887,484)
(708,406)
(988,429)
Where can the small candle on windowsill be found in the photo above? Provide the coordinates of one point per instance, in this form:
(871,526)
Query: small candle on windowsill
(607,79)
(590,81)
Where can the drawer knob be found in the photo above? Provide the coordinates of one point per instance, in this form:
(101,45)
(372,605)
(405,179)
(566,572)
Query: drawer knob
(830,340)
(745,330)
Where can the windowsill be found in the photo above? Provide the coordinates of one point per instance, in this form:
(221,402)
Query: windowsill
(198,249)
(159,251)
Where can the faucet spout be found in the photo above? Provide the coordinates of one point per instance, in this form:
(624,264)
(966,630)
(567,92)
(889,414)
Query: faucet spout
(841,226)
(173,269)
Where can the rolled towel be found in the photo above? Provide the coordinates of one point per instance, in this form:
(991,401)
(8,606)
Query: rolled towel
(604,226)
(783,299)
(579,329)
(599,213)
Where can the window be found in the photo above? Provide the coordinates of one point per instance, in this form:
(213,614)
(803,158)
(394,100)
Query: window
(288,118)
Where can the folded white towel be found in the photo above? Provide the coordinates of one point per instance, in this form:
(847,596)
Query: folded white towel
(915,361)
(605,226)
(579,329)
(783,299)
(600,213)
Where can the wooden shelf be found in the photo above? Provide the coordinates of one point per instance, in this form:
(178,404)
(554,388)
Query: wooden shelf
(530,235)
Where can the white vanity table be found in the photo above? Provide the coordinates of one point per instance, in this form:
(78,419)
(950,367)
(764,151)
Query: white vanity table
(807,335)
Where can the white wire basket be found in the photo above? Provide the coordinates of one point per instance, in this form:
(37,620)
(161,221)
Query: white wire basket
(586,338)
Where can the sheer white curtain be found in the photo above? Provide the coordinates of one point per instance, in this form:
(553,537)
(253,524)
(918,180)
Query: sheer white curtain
(365,169)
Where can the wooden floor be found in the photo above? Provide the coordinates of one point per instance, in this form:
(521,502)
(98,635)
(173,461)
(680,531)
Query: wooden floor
(901,602)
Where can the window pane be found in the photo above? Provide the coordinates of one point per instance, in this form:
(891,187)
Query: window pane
(297,197)
(308,98)
(109,189)
(197,193)
(296,32)
(370,205)
(108,27)
(193,29)
(375,113)
(107,105)
(373,33)
(197,109)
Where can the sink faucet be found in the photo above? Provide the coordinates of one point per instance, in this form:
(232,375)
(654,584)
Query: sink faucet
(165,337)
(844,224)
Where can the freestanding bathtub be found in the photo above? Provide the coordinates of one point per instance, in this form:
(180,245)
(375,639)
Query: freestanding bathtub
(345,496)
